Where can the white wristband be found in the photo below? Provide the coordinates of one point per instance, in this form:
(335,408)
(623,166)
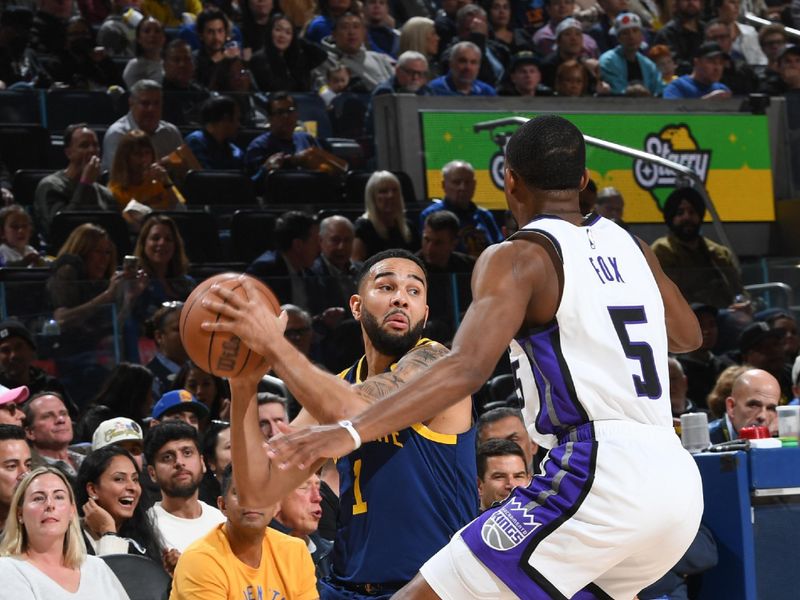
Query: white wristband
(352,431)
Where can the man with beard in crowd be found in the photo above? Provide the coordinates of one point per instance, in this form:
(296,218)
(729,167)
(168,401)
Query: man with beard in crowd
(387,529)
(703,270)
(174,462)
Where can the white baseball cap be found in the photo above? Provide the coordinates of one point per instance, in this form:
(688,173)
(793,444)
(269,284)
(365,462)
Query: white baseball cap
(119,429)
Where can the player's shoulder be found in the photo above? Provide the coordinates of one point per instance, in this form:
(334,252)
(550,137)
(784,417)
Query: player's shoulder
(425,351)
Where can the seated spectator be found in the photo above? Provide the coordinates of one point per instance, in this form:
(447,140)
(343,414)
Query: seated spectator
(224,559)
(346,47)
(285,61)
(381,34)
(702,367)
(322,25)
(75,187)
(298,329)
(662,56)
(255,20)
(271,411)
(128,392)
(161,254)
(439,240)
(108,493)
(11,407)
(234,78)
(501,468)
(683,34)
(213,144)
(477,227)
(117,34)
(722,389)
(19,63)
(506,423)
(462,79)
(783,320)
(772,40)
(206,388)
(472,26)
(745,46)
(703,270)
(410,77)
(337,80)
(419,35)
(445,21)
(213,28)
(216,449)
(49,430)
(174,462)
(44,557)
(81,65)
(624,65)
(752,402)
(15,233)
(737,74)
(145,114)
(545,38)
(148,62)
(603,31)
(135,175)
(788,73)
(179,405)
(170,14)
(762,347)
(123,433)
(384,224)
(610,204)
(338,273)
(524,77)
(298,515)
(276,148)
(568,46)
(704,80)
(679,402)
(15,456)
(182,95)
(17,354)
(49,29)
(163,328)
(502,29)
(287,269)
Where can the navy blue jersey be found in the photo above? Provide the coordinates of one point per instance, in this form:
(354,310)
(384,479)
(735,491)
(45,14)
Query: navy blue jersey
(402,497)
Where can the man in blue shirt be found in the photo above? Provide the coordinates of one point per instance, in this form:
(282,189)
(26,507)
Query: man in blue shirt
(275,149)
(212,145)
(703,82)
(462,80)
(477,227)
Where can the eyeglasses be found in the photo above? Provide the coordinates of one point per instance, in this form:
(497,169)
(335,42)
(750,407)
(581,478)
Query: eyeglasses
(413,73)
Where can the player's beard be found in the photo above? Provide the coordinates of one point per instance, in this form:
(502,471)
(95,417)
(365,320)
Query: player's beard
(388,344)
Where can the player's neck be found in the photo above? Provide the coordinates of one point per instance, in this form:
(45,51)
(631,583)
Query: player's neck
(377,362)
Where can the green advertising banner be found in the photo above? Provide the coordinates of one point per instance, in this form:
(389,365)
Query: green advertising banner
(729,151)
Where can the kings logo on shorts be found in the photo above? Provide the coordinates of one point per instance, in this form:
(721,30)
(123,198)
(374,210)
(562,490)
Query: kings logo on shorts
(675,143)
(508,526)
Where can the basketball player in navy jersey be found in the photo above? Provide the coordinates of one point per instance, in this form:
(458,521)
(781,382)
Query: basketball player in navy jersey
(404,495)
(591,316)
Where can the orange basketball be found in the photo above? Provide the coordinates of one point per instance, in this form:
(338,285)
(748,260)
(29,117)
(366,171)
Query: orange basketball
(221,354)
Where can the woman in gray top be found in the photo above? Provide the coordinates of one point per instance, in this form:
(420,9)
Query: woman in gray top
(148,64)
(42,553)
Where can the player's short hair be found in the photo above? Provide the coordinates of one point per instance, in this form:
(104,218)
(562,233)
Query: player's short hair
(497,447)
(548,153)
(163,433)
(384,255)
(494,415)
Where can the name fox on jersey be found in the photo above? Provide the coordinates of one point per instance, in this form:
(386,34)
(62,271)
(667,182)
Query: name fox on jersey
(606,269)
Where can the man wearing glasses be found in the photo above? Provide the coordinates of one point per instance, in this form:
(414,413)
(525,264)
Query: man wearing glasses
(274,149)
(10,401)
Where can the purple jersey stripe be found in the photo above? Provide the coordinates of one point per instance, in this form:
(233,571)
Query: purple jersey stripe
(504,537)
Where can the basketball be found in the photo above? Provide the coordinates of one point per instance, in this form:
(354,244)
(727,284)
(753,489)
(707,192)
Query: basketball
(218,353)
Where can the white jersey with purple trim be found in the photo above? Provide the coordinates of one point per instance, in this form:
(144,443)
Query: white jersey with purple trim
(604,356)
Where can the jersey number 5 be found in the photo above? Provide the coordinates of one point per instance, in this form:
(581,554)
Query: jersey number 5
(648,384)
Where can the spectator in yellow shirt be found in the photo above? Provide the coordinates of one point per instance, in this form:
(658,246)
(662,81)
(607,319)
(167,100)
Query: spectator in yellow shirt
(166,11)
(242,558)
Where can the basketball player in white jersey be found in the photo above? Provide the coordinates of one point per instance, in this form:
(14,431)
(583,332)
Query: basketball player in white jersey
(591,314)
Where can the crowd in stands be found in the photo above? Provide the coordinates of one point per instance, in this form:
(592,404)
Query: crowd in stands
(132,446)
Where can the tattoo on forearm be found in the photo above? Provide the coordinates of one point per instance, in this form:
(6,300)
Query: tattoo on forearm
(409,366)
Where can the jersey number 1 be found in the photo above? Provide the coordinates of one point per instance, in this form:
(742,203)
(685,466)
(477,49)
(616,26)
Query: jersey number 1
(359,506)
(621,316)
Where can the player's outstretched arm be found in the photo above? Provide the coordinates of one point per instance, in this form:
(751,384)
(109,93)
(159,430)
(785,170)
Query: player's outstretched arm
(503,283)
(683,330)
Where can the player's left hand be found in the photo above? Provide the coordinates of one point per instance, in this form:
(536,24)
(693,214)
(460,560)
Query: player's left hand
(251,320)
(304,447)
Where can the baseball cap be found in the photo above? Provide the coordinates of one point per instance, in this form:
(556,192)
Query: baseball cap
(755,333)
(525,57)
(11,328)
(119,429)
(16,395)
(626,20)
(568,23)
(709,50)
(182,398)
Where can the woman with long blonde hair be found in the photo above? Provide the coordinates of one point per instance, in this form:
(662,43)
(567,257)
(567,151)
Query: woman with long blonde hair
(42,553)
(383,224)
(419,34)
